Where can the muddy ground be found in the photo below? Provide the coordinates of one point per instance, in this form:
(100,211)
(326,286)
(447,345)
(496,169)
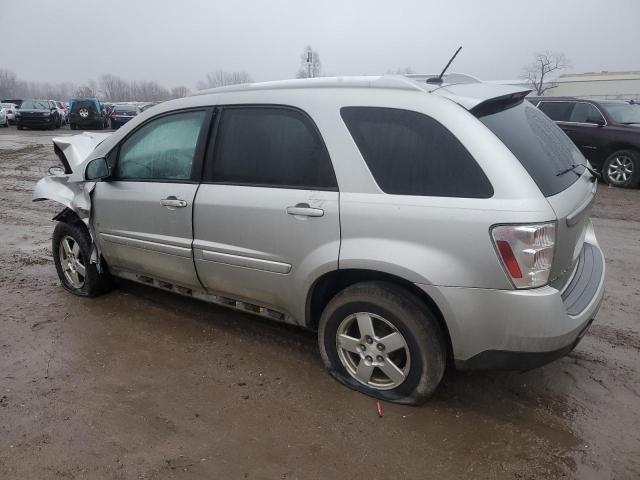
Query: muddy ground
(142,384)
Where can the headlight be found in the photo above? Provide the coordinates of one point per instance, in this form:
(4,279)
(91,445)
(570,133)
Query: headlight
(18,114)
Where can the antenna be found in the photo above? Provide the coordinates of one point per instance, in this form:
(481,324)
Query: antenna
(438,79)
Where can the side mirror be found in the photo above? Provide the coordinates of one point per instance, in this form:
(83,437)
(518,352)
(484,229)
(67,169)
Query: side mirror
(597,121)
(97,169)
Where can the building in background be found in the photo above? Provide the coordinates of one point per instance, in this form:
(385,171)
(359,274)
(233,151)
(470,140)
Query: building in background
(594,85)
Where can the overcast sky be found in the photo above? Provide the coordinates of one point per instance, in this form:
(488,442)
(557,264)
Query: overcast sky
(177,41)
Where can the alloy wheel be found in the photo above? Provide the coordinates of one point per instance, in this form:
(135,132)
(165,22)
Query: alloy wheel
(620,169)
(373,351)
(72,262)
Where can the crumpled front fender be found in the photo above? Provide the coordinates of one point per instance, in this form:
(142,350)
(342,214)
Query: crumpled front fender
(75,196)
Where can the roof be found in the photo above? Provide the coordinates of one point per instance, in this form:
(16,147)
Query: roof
(467,91)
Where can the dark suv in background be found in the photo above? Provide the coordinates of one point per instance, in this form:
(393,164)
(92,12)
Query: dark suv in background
(38,114)
(87,113)
(606,132)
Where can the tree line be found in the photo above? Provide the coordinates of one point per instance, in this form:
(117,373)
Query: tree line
(110,88)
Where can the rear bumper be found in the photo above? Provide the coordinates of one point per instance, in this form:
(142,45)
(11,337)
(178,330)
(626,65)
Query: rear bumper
(522,329)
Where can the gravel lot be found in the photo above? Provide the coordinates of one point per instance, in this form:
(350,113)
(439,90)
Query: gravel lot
(143,384)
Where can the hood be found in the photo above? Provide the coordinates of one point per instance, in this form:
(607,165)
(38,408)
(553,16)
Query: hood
(74,149)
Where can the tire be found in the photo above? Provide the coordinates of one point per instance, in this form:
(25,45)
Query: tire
(419,352)
(73,126)
(71,250)
(19,127)
(622,169)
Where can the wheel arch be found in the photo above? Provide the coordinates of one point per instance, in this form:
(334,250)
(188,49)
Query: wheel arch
(331,283)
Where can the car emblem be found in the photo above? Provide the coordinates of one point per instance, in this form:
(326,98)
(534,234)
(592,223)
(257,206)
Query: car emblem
(84,113)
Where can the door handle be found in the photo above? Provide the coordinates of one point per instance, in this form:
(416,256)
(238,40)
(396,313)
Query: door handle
(173,202)
(304,210)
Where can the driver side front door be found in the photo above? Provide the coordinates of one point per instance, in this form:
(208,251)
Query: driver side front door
(143,215)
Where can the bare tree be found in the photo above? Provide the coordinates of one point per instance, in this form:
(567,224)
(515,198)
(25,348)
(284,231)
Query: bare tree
(115,88)
(221,78)
(85,91)
(9,84)
(179,92)
(310,65)
(538,71)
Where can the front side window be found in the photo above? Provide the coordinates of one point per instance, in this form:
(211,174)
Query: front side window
(409,153)
(557,111)
(272,147)
(162,149)
(585,113)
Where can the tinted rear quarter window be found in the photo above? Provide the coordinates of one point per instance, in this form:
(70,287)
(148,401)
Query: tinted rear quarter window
(558,111)
(409,153)
(540,145)
(271,147)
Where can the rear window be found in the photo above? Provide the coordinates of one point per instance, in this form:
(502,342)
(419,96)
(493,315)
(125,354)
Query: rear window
(539,144)
(409,153)
(125,108)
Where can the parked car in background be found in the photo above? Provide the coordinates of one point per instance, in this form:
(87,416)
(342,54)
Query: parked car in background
(408,224)
(16,101)
(4,119)
(87,113)
(122,113)
(38,114)
(62,108)
(607,133)
(10,109)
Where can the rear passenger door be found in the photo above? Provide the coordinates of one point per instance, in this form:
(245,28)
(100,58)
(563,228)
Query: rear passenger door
(586,128)
(266,218)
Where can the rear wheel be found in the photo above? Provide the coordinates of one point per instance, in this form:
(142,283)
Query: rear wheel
(71,252)
(380,339)
(622,169)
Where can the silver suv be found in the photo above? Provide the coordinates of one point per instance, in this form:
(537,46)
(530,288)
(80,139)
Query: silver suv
(410,224)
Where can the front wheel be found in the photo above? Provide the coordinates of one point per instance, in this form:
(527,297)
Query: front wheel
(71,252)
(380,339)
(622,169)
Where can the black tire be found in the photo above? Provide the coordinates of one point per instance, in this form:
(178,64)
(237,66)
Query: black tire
(19,127)
(73,126)
(410,316)
(94,283)
(612,170)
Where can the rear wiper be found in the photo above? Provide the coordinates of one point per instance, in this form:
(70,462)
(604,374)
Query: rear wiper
(576,165)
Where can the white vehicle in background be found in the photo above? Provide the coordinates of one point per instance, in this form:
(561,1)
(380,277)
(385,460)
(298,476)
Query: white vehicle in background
(4,119)
(10,112)
(62,112)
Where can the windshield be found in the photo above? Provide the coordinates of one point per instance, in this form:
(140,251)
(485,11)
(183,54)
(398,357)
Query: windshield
(35,105)
(125,108)
(623,112)
(539,144)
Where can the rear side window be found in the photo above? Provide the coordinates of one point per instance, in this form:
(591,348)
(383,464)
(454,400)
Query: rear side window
(585,113)
(539,144)
(558,111)
(409,153)
(271,147)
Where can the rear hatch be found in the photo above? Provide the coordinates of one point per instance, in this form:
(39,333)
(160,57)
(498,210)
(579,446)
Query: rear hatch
(555,164)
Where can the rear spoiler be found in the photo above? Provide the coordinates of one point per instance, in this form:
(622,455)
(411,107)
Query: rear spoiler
(497,104)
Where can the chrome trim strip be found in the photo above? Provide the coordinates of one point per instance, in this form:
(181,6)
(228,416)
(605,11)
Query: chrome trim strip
(247,262)
(147,245)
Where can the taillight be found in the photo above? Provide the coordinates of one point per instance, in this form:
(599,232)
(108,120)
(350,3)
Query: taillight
(526,252)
